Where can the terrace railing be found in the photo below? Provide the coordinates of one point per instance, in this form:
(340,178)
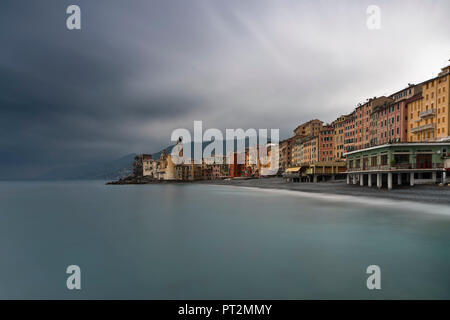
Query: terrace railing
(427,113)
(399,166)
(424,127)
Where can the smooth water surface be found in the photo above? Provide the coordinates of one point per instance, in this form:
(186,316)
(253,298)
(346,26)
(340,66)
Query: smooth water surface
(215,242)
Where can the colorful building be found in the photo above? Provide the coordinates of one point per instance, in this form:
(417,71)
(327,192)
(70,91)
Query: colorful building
(404,163)
(297,150)
(286,153)
(429,116)
(339,137)
(236,164)
(326,143)
(349,133)
(311,150)
(363,119)
(309,129)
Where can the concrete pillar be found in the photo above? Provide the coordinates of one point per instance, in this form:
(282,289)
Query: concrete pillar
(444,177)
(369,182)
(379,181)
(354,178)
(411,179)
(315,178)
(348,178)
(333,177)
(433,176)
(390,180)
(399,179)
(361,179)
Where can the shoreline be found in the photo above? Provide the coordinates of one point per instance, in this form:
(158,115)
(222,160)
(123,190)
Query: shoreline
(434,208)
(430,194)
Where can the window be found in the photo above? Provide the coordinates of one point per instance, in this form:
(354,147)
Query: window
(373,161)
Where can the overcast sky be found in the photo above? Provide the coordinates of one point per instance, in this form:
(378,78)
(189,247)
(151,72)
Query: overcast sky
(139,69)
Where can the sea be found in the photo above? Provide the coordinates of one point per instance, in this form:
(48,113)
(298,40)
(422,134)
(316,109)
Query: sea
(199,241)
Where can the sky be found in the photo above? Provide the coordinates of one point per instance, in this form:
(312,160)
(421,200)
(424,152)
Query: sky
(139,69)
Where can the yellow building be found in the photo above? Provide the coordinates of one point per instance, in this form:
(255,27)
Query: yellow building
(309,129)
(428,115)
(311,150)
(339,137)
(297,150)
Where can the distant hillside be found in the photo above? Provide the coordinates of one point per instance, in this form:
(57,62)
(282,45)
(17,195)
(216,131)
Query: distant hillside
(107,170)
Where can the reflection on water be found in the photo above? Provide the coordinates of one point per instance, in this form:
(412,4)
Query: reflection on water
(213,242)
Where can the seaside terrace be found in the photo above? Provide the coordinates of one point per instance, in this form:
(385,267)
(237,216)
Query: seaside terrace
(405,163)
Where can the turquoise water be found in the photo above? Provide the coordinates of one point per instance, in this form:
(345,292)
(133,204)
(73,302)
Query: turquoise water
(216,242)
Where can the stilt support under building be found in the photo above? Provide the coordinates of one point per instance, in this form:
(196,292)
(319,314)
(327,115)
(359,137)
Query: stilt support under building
(390,180)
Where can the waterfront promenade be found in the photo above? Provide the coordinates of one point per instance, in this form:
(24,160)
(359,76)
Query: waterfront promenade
(421,193)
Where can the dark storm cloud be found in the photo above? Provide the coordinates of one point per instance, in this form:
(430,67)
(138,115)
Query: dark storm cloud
(66,96)
(139,69)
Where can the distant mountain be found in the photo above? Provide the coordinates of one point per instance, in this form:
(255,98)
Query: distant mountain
(108,170)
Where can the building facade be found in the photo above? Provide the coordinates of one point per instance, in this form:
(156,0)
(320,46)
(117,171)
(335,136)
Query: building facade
(326,143)
(286,153)
(350,133)
(309,129)
(363,114)
(402,163)
(311,150)
(429,116)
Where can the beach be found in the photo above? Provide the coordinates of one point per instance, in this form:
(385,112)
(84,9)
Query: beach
(420,193)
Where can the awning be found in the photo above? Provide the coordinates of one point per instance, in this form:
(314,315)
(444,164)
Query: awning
(294,169)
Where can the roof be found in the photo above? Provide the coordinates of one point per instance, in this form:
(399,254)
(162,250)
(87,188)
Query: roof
(405,144)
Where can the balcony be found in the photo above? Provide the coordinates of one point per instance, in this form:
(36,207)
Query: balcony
(427,113)
(399,166)
(424,127)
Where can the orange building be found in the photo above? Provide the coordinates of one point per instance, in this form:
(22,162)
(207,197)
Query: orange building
(326,143)
(362,120)
(286,153)
(311,150)
(429,116)
(309,129)
(339,126)
(350,133)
